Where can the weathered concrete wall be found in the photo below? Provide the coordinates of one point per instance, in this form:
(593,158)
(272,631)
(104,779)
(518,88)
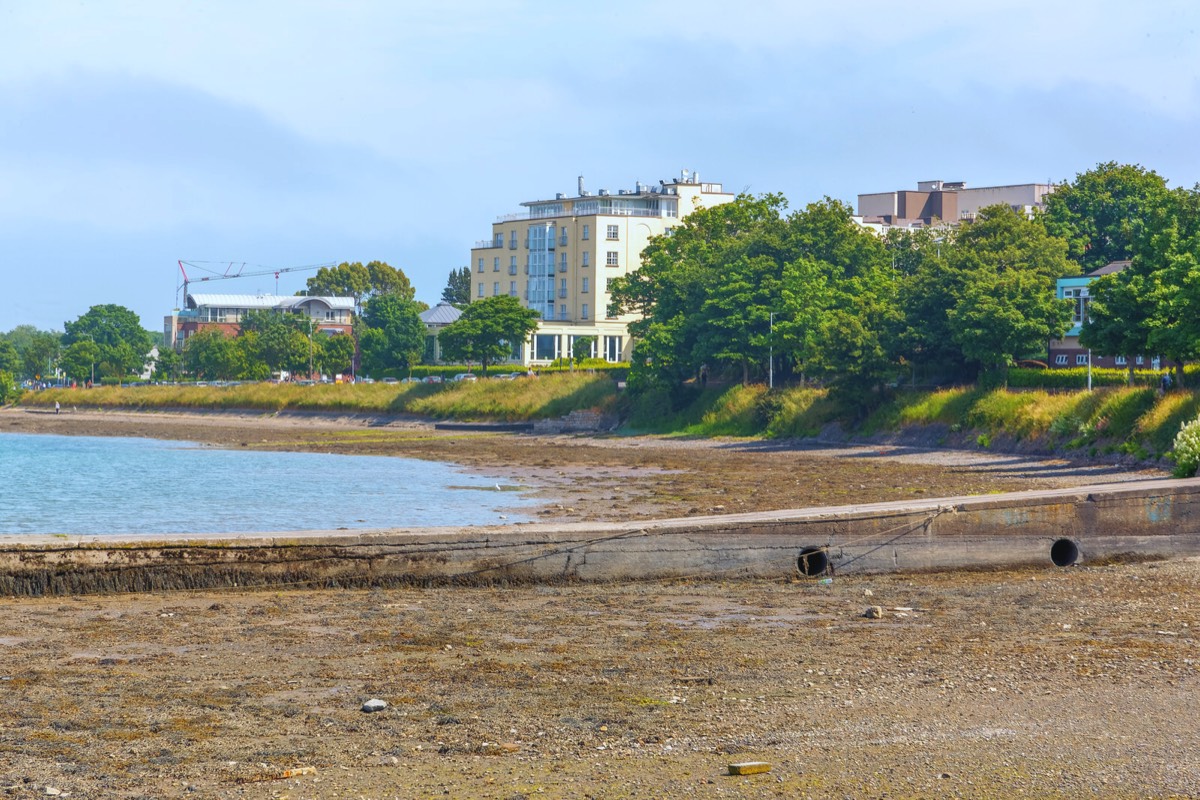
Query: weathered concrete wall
(1147,519)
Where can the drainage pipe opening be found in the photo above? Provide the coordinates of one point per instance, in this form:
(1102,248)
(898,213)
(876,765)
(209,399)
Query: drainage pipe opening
(1064,553)
(812,561)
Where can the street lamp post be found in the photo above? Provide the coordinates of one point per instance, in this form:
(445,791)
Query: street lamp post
(771,350)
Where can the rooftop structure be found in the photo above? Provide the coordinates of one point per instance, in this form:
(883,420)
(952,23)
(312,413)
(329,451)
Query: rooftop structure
(947,202)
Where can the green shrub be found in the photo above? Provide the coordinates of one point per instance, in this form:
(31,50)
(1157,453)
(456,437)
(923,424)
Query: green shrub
(1186,451)
(10,392)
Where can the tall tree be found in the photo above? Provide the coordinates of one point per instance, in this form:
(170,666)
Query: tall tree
(1007,308)
(211,355)
(282,342)
(79,360)
(488,330)
(40,354)
(458,288)
(360,282)
(1103,211)
(124,344)
(393,336)
(334,354)
(10,359)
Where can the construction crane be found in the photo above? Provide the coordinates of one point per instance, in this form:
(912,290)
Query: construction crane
(235,270)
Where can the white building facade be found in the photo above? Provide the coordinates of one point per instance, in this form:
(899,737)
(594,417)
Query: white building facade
(560,256)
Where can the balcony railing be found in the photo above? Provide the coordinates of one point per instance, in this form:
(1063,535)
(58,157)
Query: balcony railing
(485,244)
(587,212)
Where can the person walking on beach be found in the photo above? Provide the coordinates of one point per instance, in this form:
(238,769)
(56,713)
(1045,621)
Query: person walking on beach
(55,406)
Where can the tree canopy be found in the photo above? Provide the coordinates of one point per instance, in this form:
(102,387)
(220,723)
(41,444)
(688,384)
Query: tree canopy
(360,282)
(394,336)
(458,288)
(1153,306)
(118,333)
(1103,211)
(488,330)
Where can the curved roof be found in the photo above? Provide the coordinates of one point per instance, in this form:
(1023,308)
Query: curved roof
(281,302)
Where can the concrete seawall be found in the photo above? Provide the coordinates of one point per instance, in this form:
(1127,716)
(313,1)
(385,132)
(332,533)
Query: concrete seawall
(1151,519)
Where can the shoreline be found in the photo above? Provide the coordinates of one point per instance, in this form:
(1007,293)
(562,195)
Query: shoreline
(581,478)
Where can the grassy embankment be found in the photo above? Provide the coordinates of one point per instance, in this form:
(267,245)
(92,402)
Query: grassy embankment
(509,401)
(1134,421)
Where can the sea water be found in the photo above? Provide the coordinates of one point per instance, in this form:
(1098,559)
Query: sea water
(103,485)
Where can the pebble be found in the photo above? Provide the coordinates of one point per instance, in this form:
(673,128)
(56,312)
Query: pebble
(374,704)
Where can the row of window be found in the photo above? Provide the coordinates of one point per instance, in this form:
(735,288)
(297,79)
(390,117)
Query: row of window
(612,258)
(1081,360)
(584,288)
(612,234)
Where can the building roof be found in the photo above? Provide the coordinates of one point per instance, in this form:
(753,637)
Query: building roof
(265,301)
(441,314)
(1110,268)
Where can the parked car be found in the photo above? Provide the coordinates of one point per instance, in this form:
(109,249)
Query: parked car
(464,376)
(392,380)
(433,379)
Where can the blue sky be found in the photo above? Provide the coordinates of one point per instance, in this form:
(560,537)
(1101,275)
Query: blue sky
(134,134)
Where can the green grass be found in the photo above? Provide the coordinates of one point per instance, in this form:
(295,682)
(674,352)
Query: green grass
(522,399)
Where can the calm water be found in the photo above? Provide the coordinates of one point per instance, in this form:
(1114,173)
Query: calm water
(99,485)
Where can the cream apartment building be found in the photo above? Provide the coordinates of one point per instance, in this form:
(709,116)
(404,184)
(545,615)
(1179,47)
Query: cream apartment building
(559,257)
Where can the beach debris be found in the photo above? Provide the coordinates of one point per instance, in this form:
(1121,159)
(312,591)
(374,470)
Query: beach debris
(694,679)
(280,775)
(749,768)
(373,705)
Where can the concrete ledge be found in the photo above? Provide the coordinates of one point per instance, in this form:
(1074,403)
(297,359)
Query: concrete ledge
(1151,519)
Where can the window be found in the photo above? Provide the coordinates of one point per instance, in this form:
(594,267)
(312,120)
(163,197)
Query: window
(562,239)
(562,288)
(1081,359)
(562,312)
(586,233)
(614,232)
(585,286)
(498,240)
(512,240)
(1061,359)
(496,264)
(611,259)
(512,288)
(480,293)
(583,311)
(496,288)
(512,265)
(1079,302)
(1139,361)
(1122,361)
(608,284)
(481,265)
(586,258)
(562,263)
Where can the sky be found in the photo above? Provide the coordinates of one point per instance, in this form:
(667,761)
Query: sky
(275,135)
